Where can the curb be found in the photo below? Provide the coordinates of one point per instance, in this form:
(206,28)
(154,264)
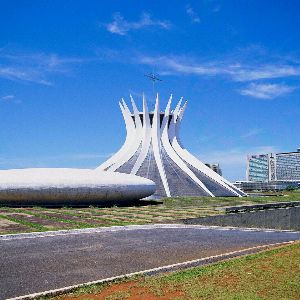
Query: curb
(31,235)
(256,207)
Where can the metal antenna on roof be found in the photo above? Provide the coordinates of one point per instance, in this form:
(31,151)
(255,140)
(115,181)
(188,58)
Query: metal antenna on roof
(154,78)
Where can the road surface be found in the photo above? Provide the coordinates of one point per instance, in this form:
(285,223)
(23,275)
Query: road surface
(36,263)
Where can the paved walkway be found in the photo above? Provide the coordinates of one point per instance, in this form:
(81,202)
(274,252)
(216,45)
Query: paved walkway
(40,262)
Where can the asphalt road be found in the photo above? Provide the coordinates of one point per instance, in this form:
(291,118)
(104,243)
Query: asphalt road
(32,264)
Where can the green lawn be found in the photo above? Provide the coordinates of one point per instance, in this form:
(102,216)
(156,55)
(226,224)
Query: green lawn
(231,201)
(273,274)
(28,219)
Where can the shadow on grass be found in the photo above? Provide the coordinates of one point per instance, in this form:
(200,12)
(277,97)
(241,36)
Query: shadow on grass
(104,204)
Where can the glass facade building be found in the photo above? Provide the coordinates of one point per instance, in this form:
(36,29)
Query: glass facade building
(266,186)
(258,168)
(288,166)
(274,167)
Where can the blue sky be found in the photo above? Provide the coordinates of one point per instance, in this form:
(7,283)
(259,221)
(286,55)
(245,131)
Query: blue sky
(64,65)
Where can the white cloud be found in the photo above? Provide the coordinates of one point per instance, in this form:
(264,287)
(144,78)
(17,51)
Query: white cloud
(174,65)
(34,67)
(247,73)
(120,26)
(7,98)
(192,14)
(237,71)
(251,133)
(266,91)
(10,99)
(23,74)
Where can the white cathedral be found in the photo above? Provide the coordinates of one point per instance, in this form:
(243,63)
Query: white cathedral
(155,161)
(153,150)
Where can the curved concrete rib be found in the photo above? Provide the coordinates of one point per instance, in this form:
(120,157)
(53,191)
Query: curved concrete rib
(146,141)
(177,123)
(137,120)
(177,108)
(135,140)
(192,160)
(156,146)
(173,124)
(129,138)
(173,155)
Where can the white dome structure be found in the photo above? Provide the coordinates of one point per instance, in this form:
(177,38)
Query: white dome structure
(153,150)
(61,186)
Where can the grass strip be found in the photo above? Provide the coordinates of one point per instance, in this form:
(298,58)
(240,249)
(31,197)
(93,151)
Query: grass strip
(180,214)
(110,221)
(128,213)
(43,216)
(226,201)
(271,274)
(76,224)
(95,212)
(37,227)
(80,215)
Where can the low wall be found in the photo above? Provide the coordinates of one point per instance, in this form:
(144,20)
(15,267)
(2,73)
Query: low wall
(282,218)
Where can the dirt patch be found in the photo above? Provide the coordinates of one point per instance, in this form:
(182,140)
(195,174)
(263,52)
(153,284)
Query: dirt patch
(40,221)
(9,226)
(5,223)
(146,214)
(74,218)
(162,218)
(14,228)
(136,215)
(82,213)
(128,290)
(15,214)
(228,280)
